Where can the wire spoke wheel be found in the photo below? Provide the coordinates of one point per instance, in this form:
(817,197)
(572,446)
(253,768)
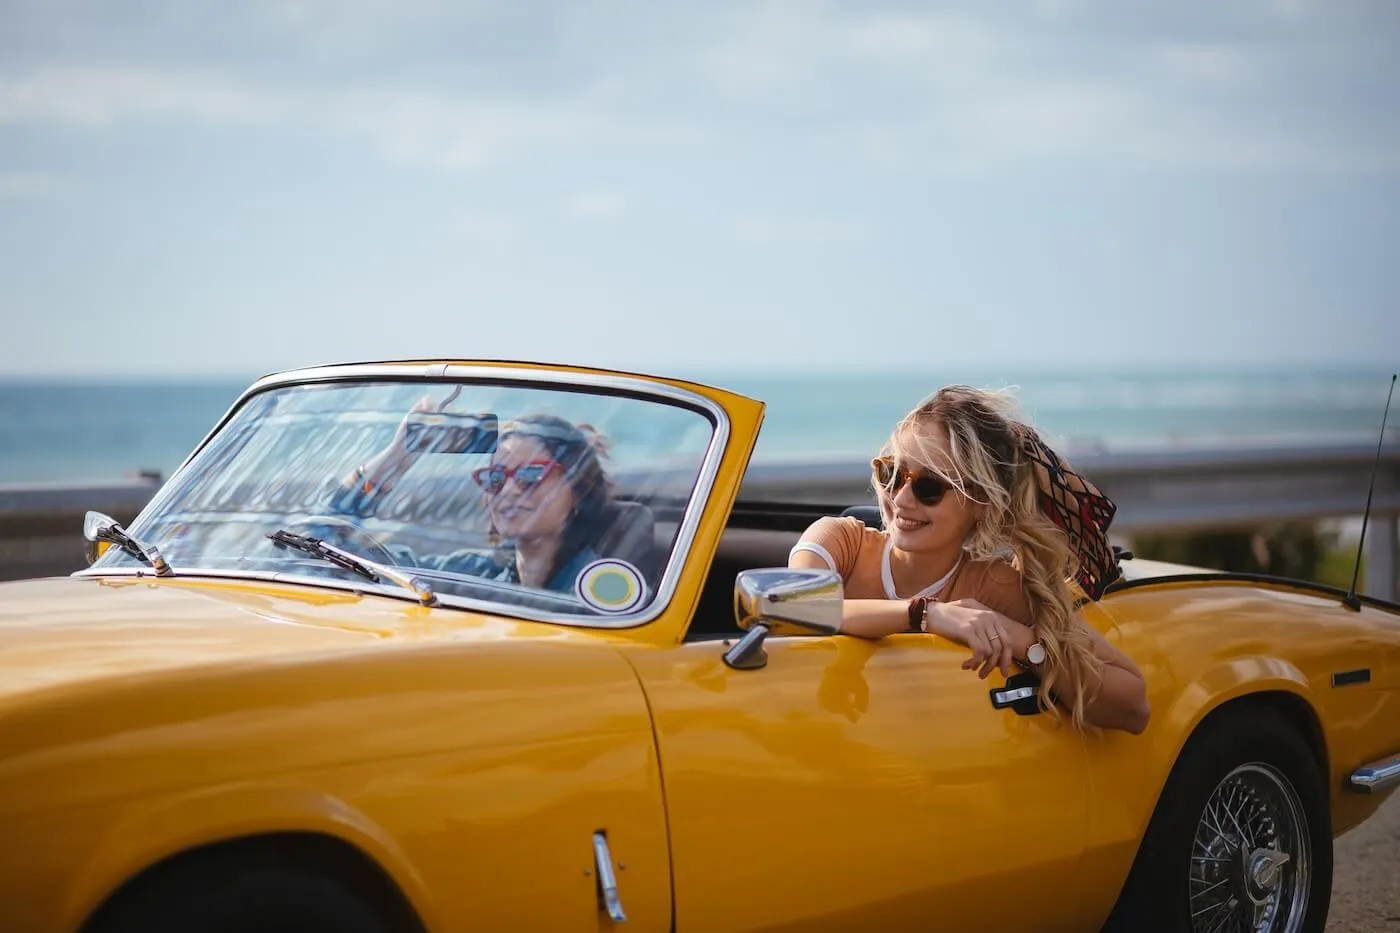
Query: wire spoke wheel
(1251,864)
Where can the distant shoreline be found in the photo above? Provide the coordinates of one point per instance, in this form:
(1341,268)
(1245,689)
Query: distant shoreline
(940,373)
(65,429)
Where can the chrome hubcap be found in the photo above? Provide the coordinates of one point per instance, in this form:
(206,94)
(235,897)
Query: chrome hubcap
(1250,863)
(1262,872)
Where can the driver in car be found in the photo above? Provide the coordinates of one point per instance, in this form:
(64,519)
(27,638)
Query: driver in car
(547,497)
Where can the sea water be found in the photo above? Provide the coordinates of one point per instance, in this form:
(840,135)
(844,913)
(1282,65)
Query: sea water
(67,430)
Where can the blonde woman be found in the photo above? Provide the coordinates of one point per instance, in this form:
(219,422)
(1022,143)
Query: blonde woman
(984,528)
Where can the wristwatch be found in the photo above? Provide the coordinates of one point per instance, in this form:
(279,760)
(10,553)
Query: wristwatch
(918,608)
(1035,654)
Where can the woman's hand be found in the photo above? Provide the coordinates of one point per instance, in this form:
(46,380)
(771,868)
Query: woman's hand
(386,467)
(1118,698)
(989,634)
(400,443)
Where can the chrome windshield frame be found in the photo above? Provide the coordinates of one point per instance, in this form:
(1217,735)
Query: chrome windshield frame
(467,374)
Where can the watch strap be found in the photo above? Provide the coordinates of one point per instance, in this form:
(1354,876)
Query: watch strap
(918,607)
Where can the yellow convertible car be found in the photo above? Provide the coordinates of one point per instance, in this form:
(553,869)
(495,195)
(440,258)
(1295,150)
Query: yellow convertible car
(458,646)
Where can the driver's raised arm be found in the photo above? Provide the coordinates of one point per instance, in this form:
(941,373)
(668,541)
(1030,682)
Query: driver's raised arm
(353,492)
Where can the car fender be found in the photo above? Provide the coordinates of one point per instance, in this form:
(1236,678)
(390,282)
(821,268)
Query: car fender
(168,827)
(1225,681)
(1131,776)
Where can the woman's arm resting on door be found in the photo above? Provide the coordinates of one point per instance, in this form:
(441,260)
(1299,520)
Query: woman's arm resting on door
(1119,699)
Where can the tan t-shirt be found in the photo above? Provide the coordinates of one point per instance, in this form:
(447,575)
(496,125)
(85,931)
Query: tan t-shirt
(861,555)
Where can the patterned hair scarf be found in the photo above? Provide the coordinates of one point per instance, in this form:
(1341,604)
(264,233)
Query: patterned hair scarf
(1078,508)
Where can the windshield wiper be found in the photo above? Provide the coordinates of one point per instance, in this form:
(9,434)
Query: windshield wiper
(99,527)
(366,568)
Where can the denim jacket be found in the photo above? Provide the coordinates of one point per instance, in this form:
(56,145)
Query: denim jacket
(476,564)
(351,501)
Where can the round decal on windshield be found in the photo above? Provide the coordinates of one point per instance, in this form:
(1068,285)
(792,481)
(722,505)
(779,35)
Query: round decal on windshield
(610,586)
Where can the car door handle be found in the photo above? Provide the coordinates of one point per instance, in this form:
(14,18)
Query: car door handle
(1002,698)
(607,880)
(1019,695)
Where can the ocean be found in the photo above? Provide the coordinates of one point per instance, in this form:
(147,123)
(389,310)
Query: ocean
(69,430)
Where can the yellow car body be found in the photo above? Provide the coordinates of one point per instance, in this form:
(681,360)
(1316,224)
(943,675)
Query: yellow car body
(453,766)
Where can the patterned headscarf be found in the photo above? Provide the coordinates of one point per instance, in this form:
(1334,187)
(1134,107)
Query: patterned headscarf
(1078,508)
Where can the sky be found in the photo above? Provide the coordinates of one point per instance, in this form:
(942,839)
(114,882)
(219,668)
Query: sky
(208,188)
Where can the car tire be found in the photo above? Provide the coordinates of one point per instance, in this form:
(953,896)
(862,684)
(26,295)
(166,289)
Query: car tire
(216,893)
(1246,776)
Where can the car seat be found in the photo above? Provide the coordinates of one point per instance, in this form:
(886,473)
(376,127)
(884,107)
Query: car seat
(632,537)
(870,514)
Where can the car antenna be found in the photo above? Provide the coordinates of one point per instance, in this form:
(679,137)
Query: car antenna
(1351,600)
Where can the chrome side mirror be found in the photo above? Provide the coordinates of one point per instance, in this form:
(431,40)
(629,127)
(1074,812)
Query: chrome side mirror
(97,532)
(96,526)
(809,600)
(102,531)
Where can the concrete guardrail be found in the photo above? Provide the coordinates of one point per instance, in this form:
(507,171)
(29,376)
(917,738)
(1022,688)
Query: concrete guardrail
(41,524)
(1176,490)
(1159,490)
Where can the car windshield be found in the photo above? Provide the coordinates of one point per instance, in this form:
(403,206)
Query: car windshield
(557,499)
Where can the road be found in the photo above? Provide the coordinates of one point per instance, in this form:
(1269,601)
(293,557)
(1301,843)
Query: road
(1366,883)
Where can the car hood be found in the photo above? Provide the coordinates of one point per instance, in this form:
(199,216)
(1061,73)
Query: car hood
(65,631)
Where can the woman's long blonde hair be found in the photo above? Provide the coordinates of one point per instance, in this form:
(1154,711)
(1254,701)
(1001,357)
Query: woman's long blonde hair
(986,466)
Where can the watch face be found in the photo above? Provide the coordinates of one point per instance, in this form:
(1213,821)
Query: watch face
(1036,653)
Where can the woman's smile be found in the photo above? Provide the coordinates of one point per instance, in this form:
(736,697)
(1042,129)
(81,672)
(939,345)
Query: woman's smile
(909,523)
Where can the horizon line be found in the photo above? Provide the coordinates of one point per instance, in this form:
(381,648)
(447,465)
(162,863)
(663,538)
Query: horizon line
(768,369)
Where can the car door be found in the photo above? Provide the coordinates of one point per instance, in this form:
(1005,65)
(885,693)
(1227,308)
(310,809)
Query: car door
(857,785)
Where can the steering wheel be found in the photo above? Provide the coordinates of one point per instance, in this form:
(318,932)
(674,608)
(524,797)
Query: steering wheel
(343,533)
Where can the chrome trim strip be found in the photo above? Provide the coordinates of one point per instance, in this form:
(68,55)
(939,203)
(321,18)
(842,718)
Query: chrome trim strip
(460,372)
(1376,777)
(607,881)
(351,584)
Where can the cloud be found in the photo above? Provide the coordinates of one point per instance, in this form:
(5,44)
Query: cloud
(28,185)
(946,88)
(404,124)
(599,203)
(463,86)
(95,96)
(773,229)
(453,134)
